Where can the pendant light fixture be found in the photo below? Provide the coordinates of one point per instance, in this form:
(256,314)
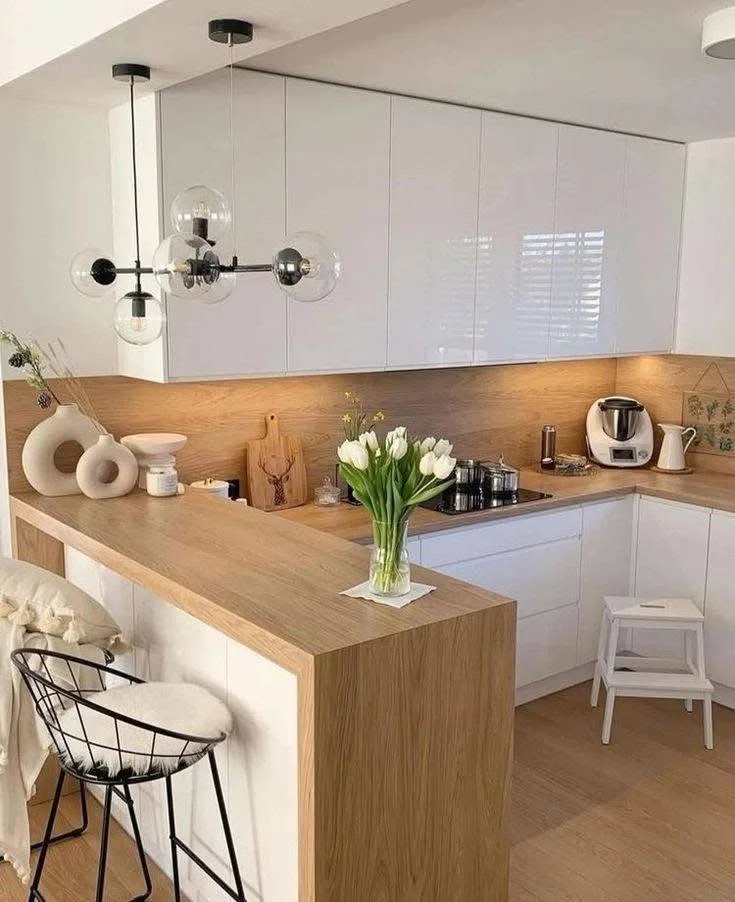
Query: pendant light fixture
(185,264)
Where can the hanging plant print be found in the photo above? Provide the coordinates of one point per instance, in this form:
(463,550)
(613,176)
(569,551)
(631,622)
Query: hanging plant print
(712,415)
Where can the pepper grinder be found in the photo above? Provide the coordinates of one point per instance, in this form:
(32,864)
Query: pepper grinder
(548,447)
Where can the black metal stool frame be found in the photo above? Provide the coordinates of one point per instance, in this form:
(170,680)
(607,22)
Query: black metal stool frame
(52,700)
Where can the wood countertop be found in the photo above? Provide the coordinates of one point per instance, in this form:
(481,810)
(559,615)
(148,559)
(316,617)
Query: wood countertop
(265,581)
(715,490)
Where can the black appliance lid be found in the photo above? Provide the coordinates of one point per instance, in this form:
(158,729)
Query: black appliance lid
(620,404)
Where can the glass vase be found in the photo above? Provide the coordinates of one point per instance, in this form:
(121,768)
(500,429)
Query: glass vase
(390,571)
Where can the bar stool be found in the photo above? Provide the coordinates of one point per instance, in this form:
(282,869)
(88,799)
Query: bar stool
(100,742)
(647,677)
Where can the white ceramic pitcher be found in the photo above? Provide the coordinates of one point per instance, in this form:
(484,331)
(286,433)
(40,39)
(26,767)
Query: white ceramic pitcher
(673,448)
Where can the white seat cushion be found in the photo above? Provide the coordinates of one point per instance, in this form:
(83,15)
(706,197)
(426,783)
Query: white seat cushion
(179,707)
(631,608)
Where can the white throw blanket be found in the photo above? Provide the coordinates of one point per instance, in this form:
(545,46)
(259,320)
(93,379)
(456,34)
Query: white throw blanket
(24,739)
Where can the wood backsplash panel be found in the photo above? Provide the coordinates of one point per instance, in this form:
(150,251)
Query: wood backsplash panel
(659,383)
(483,410)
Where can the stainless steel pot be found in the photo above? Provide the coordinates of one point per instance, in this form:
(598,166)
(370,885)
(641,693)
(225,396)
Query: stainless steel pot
(499,477)
(468,473)
(620,417)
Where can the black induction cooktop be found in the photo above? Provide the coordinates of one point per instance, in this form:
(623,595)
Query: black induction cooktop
(460,500)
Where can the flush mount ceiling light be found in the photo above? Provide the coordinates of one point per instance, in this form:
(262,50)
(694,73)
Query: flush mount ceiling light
(185,264)
(718,34)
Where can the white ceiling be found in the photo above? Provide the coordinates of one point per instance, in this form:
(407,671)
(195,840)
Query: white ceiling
(168,35)
(631,65)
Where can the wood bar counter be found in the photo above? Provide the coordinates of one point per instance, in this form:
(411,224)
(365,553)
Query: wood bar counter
(405,717)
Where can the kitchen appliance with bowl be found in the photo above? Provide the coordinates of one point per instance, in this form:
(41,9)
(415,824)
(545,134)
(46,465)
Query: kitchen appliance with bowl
(482,485)
(619,432)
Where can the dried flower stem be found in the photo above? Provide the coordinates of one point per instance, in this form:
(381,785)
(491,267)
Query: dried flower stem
(28,357)
(60,365)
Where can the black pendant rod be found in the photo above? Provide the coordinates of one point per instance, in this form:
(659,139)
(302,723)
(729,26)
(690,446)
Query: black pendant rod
(135,184)
(234,267)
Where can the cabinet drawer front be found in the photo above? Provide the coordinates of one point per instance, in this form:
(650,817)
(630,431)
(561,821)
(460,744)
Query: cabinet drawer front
(494,538)
(539,579)
(547,644)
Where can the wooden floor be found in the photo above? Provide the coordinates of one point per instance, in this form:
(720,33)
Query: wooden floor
(650,818)
(70,874)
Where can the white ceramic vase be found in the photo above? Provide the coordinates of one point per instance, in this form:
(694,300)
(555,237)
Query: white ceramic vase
(107,469)
(67,424)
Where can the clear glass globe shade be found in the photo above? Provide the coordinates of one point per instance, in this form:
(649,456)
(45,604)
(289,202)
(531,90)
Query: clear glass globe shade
(220,289)
(187,267)
(307,268)
(203,212)
(80,271)
(139,319)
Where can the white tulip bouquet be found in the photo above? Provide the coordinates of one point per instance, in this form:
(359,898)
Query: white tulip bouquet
(390,480)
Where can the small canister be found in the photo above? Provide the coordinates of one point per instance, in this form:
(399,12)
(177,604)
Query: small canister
(213,486)
(327,494)
(162,482)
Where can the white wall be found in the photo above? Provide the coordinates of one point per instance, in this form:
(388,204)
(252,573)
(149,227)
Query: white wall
(706,317)
(55,201)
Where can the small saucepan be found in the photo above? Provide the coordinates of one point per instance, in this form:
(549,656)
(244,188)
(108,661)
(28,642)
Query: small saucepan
(499,478)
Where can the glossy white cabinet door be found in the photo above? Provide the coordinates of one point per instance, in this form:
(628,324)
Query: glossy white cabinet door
(246,333)
(435,158)
(671,561)
(607,531)
(546,645)
(337,165)
(515,245)
(719,608)
(706,310)
(540,578)
(649,257)
(589,206)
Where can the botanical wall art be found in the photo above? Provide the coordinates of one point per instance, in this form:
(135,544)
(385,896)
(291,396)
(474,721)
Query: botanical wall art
(712,414)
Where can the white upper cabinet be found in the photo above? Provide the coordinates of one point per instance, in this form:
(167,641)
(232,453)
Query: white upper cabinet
(337,170)
(466,236)
(587,242)
(515,246)
(654,184)
(706,318)
(435,160)
(245,334)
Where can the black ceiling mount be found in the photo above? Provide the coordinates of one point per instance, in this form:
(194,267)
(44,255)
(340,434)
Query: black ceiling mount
(225,30)
(128,71)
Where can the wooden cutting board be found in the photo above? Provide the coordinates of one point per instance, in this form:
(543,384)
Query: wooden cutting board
(276,469)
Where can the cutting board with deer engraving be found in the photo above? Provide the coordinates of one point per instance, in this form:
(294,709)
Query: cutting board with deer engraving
(276,469)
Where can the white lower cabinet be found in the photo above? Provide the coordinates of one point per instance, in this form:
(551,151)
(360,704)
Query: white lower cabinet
(547,644)
(534,559)
(671,561)
(414,549)
(539,578)
(606,550)
(719,610)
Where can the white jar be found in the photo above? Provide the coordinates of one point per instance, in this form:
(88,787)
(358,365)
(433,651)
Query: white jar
(163,481)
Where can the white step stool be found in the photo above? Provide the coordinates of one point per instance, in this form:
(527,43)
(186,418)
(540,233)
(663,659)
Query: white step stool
(652,677)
